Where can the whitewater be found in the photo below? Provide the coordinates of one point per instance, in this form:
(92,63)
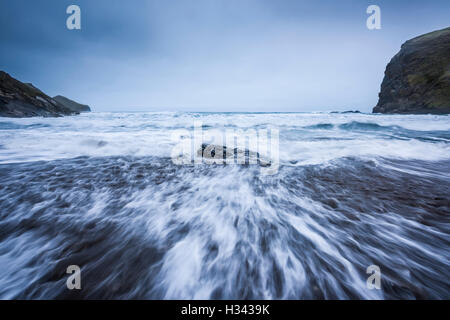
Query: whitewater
(101,191)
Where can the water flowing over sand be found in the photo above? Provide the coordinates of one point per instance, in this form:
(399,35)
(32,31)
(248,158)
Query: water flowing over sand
(100,191)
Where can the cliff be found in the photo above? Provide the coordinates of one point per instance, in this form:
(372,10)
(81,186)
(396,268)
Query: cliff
(19,100)
(417,80)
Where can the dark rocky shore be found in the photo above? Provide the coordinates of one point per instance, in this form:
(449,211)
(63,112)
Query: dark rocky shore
(417,80)
(21,100)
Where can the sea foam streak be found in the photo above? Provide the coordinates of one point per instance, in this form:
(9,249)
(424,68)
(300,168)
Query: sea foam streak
(101,191)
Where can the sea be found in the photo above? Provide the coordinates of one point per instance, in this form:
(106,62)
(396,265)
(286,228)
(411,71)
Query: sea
(357,207)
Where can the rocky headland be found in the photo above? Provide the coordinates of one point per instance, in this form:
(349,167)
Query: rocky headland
(417,79)
(72,105)
(22,100)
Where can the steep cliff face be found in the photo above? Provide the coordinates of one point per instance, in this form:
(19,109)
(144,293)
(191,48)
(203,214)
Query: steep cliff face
(417,80)
(72,105)
(19,99)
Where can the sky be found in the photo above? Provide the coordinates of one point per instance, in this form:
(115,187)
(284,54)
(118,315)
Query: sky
(211,55)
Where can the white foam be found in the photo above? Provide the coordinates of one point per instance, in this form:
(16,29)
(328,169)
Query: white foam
(149,134)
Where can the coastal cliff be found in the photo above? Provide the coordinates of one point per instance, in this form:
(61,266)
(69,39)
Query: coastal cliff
(417,79)
(22,100)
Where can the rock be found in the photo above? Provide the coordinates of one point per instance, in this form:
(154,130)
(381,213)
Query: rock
(19,100)
(72,105)
(417,80)
(351,111)
(211,152)
(348,111)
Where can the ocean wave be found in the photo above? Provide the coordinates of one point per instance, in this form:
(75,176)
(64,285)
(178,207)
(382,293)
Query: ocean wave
(355,125)
(16,126)
(321,126)
(304,138)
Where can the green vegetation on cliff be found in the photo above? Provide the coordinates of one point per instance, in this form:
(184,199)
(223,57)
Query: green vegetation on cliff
(417,80)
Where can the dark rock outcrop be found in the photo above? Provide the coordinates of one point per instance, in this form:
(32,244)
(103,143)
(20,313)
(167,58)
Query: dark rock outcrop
(242,156)
(417,80)
(72,105)
(345,112)
(19,100)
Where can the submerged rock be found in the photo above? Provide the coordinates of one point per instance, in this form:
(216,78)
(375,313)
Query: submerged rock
(417,80)
(18,100)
